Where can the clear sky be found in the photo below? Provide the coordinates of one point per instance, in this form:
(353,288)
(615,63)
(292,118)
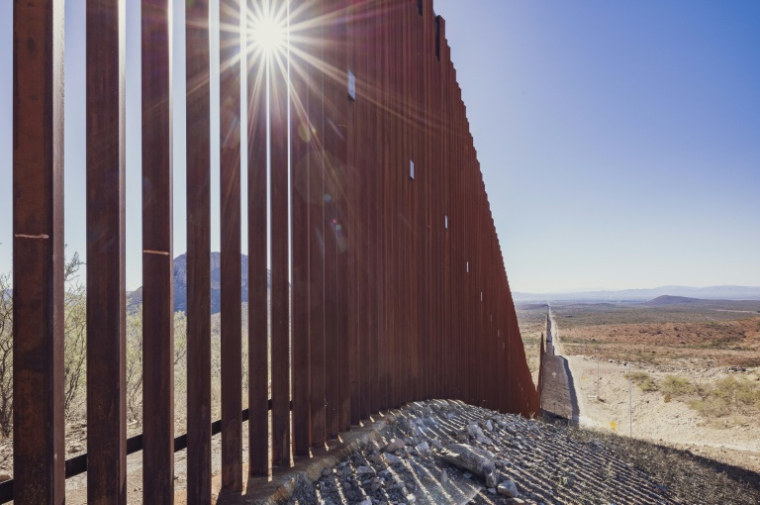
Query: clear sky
(619,141)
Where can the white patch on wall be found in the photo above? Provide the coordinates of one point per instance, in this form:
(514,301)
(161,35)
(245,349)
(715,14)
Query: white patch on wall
(446,222)
(411,169)
(351,85)
(468,266)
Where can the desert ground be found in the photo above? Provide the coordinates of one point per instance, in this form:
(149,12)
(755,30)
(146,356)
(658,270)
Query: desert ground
(676,372)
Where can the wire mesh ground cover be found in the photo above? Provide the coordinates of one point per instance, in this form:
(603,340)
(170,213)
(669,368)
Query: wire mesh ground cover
(548,463)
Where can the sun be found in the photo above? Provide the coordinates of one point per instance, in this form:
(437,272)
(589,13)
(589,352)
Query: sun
(267,33)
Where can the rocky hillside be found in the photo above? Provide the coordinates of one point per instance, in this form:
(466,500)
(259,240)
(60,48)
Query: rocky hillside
(134,298)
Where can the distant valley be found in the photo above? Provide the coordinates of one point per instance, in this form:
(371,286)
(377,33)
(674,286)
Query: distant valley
(640,295)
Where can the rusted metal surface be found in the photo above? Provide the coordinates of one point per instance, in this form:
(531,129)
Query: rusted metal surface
(231,339)
(300,193)
(106,293)
(392,288)
(343,206)
(198,145)
(279,189)
(373,187)
(38,423)
(335,100)
(258,276)
(354,223)
(158,320)
(316,169)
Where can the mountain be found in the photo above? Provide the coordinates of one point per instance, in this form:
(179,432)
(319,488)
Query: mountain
(673,300)
(711,292)
(134,298)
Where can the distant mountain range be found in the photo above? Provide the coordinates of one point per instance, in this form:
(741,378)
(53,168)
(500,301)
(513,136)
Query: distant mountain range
(134,298)
(674,300)
(711,292)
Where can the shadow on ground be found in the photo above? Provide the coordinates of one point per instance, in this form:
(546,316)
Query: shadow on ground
(548,462)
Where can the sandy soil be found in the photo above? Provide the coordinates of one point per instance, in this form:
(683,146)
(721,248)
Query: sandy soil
(673,423)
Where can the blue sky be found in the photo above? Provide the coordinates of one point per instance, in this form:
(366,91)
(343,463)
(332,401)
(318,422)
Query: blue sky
(619,141)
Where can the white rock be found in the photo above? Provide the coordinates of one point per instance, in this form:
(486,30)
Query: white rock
(476,433)
(423,449)
(474,459)
(394,445)
(391,459)
(508,488)
(444,477)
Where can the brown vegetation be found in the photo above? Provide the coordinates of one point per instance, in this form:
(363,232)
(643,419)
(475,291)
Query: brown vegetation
(689,335)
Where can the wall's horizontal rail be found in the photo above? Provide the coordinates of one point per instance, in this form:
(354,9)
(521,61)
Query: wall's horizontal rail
(78,464)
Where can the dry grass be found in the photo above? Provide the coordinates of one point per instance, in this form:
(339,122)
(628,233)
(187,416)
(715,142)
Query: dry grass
(674,385)
(643,380)
(728,396)
(733,396)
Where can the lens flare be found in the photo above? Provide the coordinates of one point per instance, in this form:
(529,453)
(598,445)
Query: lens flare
(268,33)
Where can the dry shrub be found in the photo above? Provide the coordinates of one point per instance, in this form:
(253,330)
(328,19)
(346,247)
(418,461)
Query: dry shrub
(728,396)
(711,407)
(676,386)
(643,380)
(75,320)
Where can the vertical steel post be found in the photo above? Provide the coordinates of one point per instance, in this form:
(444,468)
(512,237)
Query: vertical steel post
(316,169)
(198,147)
(279,194)
(229,166)
(300,137)
(158,273)
(258,271)
(106,294)
(38,416)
